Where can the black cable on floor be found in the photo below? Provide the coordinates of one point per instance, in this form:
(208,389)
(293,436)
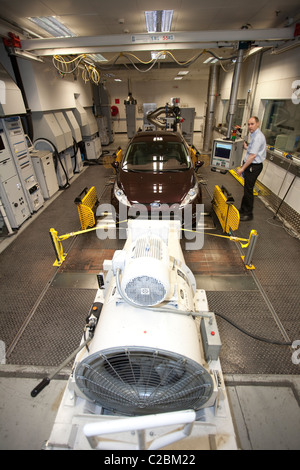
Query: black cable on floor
(259,338)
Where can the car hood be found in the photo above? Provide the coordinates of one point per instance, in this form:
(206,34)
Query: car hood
(166,188)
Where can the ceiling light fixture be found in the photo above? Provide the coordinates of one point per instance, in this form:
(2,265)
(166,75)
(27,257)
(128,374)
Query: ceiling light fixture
(158,21)
(52,25)
(178,78)
(211,60)
(157,55)
(98,57)
(183,72)
(254,50)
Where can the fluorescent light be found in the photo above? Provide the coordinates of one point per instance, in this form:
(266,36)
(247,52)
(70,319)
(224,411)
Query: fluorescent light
(158,21)
(183,72)
(254,50)
(117,80)
(178,78)
(211,60)
(52,26)
(157,55)
(97,57)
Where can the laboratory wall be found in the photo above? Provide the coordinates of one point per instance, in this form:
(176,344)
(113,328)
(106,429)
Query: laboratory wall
(270,79)
(192,94)
(262,81)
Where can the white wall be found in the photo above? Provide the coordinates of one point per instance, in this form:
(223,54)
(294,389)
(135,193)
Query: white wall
(46,90)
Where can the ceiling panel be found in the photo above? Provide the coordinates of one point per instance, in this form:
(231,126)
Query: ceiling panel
(101,18)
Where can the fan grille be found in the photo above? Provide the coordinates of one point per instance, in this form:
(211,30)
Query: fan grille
(135,381)
(145,290)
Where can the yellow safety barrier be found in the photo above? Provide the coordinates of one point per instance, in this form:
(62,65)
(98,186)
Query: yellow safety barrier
(241,180)
(115,157)
(57,239)
(193,154)
(227,213)
(60,255)
(119,155)
(87,207)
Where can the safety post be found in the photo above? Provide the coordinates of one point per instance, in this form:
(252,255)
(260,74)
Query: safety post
(58,248)
(57,239)
(251,245)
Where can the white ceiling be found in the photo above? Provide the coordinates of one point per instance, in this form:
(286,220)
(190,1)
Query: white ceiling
(117,21)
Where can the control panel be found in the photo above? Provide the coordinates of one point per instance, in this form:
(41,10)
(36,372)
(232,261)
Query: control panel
(11,191)
(13,129)
(226,153)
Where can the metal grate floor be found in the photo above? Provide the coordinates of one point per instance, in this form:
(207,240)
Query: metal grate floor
(43,308)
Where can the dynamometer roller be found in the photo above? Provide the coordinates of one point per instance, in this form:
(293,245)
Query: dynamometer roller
(147,372)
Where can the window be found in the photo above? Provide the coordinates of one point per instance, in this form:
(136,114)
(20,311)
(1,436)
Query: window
(238,115)
(281,125)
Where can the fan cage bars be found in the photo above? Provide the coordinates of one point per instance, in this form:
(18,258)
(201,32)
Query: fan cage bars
(135,381)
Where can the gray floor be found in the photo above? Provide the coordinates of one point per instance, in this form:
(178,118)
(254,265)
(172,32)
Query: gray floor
(43,310)
(265,410)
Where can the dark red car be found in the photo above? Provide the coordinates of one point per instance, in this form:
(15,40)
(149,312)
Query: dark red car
(156,172)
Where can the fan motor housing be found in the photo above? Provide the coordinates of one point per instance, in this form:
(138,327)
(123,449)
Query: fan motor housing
(145,271)
(144,359)
(145,281)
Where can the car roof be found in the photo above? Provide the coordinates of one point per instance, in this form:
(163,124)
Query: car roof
(147,136)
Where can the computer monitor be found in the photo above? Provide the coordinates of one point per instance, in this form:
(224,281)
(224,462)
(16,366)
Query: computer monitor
(226,154)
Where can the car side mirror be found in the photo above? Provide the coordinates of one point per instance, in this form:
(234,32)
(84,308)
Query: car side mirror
(115,165)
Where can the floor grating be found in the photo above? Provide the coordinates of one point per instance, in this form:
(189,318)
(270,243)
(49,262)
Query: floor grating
(60,298)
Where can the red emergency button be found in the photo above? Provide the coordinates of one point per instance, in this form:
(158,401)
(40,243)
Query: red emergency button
(213,333)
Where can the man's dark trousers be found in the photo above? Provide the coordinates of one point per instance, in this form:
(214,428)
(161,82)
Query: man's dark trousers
(250,176)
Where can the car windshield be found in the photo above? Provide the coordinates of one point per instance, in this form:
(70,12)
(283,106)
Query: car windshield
(156,157)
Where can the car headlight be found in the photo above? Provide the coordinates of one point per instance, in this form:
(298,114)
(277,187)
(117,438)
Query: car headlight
(120,195)
(191,195)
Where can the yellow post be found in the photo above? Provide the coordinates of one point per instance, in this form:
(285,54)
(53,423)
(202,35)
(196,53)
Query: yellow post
(58,248)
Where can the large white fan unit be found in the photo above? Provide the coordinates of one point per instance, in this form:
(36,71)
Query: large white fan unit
(146,355)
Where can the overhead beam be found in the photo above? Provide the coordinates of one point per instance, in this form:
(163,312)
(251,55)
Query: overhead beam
(148,41)
(142,48)
(130,48)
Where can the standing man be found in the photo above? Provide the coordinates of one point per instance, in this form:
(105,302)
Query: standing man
(252,166)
